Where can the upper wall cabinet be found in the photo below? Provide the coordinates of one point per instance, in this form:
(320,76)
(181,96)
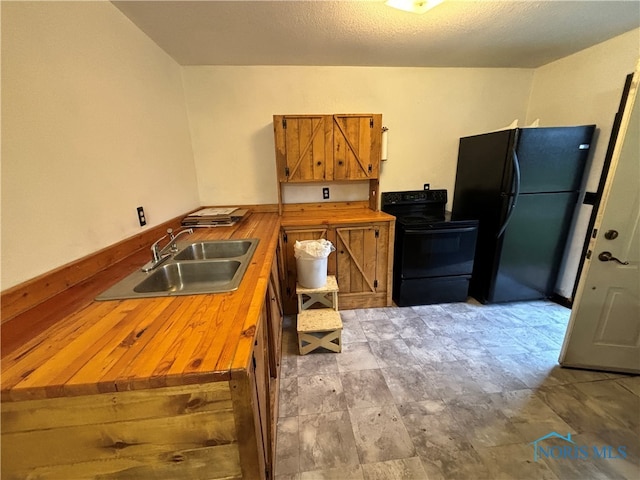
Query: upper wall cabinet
(316,148)
(303,147)
(356,146)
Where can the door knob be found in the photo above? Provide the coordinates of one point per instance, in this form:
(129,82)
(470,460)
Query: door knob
(608,257)
(611,234)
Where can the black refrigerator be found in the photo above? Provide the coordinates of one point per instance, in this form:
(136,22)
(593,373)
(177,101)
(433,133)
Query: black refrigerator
(523,185)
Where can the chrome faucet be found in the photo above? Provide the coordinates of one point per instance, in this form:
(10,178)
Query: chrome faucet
(159,255)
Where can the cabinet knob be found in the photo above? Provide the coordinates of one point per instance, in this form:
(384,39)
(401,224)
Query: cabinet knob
(319,163)
(340,162)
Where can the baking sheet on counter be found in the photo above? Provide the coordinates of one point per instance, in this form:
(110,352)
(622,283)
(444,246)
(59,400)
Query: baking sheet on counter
(215,217)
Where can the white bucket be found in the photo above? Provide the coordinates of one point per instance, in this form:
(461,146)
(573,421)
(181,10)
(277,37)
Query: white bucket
(311,262)
(312,272)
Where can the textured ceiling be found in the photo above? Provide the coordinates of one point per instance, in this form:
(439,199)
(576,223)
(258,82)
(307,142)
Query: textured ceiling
(322,32)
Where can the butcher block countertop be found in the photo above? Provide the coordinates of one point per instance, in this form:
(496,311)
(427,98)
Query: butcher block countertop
(122,345)
(311,217)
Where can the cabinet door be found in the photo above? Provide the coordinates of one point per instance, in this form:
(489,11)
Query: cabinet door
(288,240)
(303,147)
(356,146)
(362,267)
(274,334)
(275,313)
(259,371)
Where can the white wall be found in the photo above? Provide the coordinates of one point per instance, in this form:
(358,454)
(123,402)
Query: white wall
(426,109)
(584,88)
(93,125)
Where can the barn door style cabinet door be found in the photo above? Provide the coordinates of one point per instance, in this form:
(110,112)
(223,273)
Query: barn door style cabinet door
(361,263)
(316,148)
(356,146)
(362,253)
(303,147)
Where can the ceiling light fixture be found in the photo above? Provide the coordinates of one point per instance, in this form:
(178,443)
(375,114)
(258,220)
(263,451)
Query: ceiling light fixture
(415,6)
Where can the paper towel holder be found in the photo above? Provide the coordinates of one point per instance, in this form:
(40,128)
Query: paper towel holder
(383,145)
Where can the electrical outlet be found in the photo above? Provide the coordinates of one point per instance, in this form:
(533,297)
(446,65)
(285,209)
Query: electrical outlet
(325,193)
(141,217)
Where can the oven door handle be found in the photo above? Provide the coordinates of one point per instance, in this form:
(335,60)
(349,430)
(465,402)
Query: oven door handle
(431,231)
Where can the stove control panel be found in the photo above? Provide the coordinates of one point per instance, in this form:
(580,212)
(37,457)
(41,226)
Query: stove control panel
(414,197)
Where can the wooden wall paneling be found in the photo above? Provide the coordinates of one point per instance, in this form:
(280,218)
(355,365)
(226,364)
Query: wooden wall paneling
(324,206)
(245,402)
(123,435)
(374,194)
(116,407)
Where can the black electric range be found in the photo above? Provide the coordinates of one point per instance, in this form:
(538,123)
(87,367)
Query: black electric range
(433,255)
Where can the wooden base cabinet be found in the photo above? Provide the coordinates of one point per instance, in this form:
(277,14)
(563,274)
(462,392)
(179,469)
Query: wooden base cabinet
(214,430)
(361,263)
(362,270)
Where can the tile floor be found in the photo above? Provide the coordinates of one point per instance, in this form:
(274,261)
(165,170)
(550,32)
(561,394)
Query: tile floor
(452,391)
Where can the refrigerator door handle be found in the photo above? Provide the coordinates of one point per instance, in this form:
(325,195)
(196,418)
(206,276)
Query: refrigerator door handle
(515,193)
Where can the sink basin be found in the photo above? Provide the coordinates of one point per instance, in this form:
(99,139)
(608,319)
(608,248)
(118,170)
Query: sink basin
(193,277)
(216,249)
(198,268)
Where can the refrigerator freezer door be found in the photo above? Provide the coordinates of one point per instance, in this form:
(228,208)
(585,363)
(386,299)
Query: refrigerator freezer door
(483,163)
(533,246)
(553,159)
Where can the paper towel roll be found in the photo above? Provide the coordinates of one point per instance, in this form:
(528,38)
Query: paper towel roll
(383,147)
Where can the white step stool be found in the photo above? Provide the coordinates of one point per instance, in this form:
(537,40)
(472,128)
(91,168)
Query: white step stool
(326,295)
(320,327)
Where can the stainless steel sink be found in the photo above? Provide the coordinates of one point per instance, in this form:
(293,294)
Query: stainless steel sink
(194,277)
(198,268)
(220,249)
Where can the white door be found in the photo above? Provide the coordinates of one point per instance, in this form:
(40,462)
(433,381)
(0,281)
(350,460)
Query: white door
(604,329)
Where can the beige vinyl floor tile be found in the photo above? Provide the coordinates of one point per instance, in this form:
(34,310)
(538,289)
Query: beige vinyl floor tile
(452,391)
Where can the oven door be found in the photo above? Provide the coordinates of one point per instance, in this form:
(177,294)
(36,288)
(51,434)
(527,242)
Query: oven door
(436,251)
